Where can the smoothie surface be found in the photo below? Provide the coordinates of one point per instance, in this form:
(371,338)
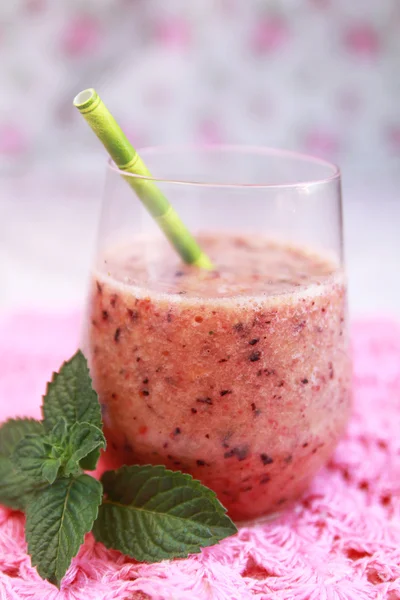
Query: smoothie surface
(245,266)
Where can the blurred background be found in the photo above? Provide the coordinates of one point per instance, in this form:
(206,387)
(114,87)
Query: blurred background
(320,76)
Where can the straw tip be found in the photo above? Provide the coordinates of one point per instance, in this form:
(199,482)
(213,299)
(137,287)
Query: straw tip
(203,262)
(85,99)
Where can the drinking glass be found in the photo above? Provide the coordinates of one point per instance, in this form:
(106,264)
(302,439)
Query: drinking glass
(239,375)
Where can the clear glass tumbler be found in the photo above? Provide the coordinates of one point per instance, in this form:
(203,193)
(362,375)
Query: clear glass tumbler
(239,375)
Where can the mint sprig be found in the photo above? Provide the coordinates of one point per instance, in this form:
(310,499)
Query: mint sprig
(57,519)
(37,459)
(70,395)
(148,512)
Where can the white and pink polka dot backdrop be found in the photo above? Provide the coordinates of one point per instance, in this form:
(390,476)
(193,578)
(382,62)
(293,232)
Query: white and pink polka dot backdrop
(316,75)
(321,76)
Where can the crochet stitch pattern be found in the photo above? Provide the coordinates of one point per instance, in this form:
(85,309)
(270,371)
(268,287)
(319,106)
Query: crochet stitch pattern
(340,541)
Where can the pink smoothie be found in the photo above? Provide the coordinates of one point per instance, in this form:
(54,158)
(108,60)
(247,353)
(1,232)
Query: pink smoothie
(240,377)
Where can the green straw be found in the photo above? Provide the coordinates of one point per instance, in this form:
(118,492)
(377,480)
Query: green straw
(128,160)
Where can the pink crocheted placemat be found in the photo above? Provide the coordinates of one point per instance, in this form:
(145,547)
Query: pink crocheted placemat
(341,541)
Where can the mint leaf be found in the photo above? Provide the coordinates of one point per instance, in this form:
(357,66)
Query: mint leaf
(83,439)
(57,519)
(40,457)
(15,488)
(70,395)
(50,469)
(89,463)
(59,433)
(13,430)
(32,455)
(151,514)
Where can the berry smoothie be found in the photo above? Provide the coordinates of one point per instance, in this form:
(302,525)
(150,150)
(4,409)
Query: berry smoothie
(240,376)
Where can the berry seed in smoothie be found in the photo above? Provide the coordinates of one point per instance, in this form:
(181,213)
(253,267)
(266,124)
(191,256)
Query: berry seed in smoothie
(240,376)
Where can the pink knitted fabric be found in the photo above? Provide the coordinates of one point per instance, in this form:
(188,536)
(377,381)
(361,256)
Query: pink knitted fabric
(341,541)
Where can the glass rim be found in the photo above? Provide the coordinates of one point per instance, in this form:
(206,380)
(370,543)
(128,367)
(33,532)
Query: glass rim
(238,149)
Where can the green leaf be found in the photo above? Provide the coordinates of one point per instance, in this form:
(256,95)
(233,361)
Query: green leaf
(50,469)
(89,463)
(32,456)
(40,457)
(70,395)
(83,439)
(152,514)
(59,433)
(15,487)
(14,430)
(57,520)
